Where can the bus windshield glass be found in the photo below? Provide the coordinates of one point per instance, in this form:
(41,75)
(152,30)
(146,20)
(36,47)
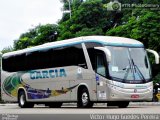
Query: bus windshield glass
(129,64)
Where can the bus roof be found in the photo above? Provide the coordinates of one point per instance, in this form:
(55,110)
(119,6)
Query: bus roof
(105,40)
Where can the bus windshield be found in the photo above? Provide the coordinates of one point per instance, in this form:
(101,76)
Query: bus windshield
(129,64)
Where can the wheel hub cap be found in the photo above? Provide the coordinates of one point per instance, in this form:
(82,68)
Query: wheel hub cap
(84,98)
(22,100)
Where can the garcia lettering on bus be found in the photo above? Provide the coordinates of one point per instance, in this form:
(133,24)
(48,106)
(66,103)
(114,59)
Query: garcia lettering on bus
(34,74)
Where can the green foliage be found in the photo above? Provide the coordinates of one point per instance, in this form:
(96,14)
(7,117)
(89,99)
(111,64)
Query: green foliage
(6,49)
(36,36)
(92,18)
(88,18)
(145,27)
(87,32)
(157,79)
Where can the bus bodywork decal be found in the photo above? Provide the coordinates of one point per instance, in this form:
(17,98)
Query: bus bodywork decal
(12,83)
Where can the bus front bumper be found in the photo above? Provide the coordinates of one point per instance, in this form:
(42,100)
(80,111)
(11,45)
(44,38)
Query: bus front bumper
(132,94)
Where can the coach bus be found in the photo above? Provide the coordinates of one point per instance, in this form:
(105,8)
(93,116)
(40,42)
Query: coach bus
(84,70)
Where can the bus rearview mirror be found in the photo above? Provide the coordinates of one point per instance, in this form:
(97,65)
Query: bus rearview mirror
(156,55)
(106,51)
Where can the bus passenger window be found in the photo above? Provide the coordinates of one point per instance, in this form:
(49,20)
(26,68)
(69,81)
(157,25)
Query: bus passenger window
(101,68)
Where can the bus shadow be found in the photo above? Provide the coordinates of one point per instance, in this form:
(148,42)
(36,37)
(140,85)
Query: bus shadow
(94,107)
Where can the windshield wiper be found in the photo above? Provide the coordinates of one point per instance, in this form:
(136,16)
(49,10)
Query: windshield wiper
(139,72)
(134,68)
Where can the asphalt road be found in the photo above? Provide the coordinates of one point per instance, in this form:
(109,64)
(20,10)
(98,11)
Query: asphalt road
(134,108)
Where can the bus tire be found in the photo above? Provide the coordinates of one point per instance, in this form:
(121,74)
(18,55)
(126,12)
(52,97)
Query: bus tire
(123,104)
(112,103)
(55,105)
(22,102)
(83,99)
(120,104)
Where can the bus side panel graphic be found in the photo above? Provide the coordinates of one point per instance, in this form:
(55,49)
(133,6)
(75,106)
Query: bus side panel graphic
(12,83)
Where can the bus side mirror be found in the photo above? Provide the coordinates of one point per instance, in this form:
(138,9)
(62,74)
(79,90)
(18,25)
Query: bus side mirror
(155,66)
(155,55)
(106,51)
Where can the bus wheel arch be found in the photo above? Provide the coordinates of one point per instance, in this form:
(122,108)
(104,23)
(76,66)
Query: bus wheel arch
(22,99)
(83,97)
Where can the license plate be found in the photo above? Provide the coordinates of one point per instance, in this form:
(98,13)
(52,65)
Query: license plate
(134,96)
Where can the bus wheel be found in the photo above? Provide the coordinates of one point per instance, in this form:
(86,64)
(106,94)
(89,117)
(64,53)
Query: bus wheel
(84,100)
(55,105)
(123,104)
(22,101)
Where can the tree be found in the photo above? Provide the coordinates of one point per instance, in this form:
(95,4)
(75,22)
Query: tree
(92,16)
(144,27)
(7,49)
(37,36)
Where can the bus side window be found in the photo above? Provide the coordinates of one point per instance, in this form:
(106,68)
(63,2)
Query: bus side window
(14,63)
(48,58)
(100,64)
(92,52)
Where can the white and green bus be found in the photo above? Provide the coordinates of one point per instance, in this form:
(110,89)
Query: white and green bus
(85,70)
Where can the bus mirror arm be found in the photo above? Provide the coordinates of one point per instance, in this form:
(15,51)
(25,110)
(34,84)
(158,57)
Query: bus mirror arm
(155,54)
(106,51)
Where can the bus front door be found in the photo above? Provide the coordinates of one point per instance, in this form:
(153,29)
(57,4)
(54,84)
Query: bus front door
(101,74)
